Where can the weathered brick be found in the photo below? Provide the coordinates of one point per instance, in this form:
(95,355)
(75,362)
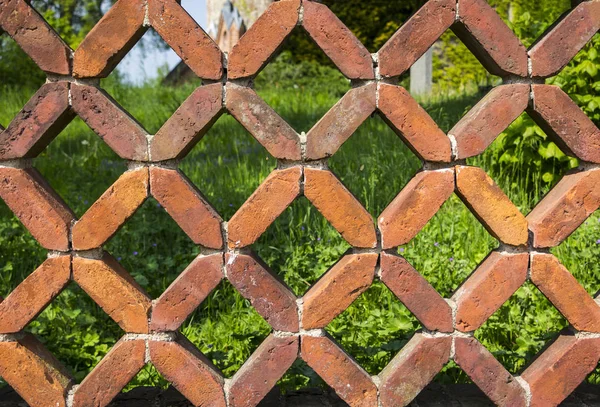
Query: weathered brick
(413,125)
(189,123)
(410,211)
(112,374)
(491,206)
(186,293)
(110,40)
(569,127)
(331,198)
(269,296)
(560,369)
(482,30)
(29,29)
(416,293)
(40,209)
(45,115)
(265,125)
(111,210)
(415,37)
(490,286)
(340,122)
(339,371)
(111,287)
(256,47)
(30,297)
(412,369)
(490,117)
(262,370)
(121,132)
(565,293)
(335,39)
(195,47)
(337,289)
(189,371)
(558,47)
(186,205)
(33,372)
(265,205)
(488,374)
(565,207)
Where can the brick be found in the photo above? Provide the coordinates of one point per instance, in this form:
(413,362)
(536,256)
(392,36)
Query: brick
(269,296)
(30,297)
(335,39)
(186,293)
(265,205)
(416,293)
(340,122)
(194,46)
(265,125)
(488,374)
(186,205)
(33,372)
(263,370)
(112,374)
(107,119)
(256,47)
(331,198)
(37,206)
(565,293)
(412,369)
(565,208)
(29,29)
(111,287)
(413,125)
(568,126)
(189,371)
(485,34)
(337,289)
(189,123)
(490,286)
(559,46)
(478,129)
(410,211)
(339,371)
(110,40)
(492,207)
(560,369)
(415,37)
(104,218)
(45,115)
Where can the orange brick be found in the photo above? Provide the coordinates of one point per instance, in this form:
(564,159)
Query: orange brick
(337,289)
(111,210)
(339,207)
(111,287)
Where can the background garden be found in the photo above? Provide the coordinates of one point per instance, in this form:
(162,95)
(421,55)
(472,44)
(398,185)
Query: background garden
(228,165)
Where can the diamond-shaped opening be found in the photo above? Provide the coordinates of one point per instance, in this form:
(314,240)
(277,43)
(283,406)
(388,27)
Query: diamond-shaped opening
(20,76)
(152,248)
(148,376)
(79,166)
(297,85)
(147,95)
(226,329)
(374,328)
(450,374)
(375,174)
(449,247)
(300,245)
(524,162)
(521,328)
(227,165)
(76,330)
(300,377)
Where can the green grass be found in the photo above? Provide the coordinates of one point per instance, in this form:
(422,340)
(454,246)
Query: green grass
(228,165)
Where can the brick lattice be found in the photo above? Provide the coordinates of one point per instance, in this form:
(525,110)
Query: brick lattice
(76,245)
